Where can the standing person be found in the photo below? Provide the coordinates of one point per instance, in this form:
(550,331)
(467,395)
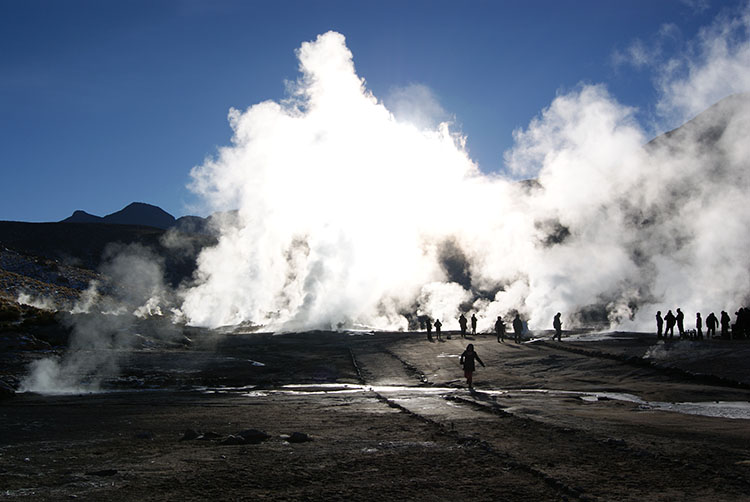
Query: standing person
(711,323)
(428,326)
(670,320)
(438,325)
(659,324)
(680,323)
(467,361)
(462,325)
(473,324)
(557,324)
(500,329)
(698,326)
(725,325)
(517,328)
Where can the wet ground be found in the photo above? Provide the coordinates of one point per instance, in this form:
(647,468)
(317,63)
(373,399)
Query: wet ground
(387,416)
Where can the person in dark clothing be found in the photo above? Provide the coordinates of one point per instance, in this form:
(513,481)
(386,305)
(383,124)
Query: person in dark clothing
(467,361)
(680,317)
(743,323)
(670,320)
(473,324)
(725,321)
(737,326)
(711,323)
(500,329)
(517,328)
(557,324)
(659,324)
(428,327)
(462,324)
(698,326)
(438,325)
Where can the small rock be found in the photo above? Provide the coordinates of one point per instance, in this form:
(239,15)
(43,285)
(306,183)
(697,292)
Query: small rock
(234,440)
(253,436)
(145,435)
(299,437)
(189,435)
(103,472)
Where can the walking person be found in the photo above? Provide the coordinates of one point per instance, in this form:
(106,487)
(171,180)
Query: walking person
(500,329)
(698,326)
(557,324)
(725,321)
(517,328)
(711,323)
(462,324)
(438,325)
(428,327)
(680,323)
(467,361)
(473,324)
(670,320)
(659,324)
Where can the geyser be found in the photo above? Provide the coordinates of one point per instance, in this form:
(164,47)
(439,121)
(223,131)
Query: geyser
(349,216)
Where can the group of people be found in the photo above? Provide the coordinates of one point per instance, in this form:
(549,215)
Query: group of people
(426,323)
(740,329)
(500,328)
(517,329)
(470,356)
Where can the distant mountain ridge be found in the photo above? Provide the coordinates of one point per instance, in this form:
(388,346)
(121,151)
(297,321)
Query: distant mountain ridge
(136,213)
(146,215)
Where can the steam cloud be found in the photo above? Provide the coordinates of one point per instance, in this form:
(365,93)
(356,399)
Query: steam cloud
(105,325)
(351,216)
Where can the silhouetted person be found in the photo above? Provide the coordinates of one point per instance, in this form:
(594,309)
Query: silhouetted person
(725,321)
(500,329)
(428,327)
(711,323)
(680,322)
(737,327)
(517,328)
(467,361)
(473,324)
(557,324)
(698,326)
(743,323)
(462,324)
(670,320)
(438,325)
(659,324)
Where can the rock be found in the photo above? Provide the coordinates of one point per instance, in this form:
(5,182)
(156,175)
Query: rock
(103,472)
(210,435)
(189,435)
(234,440)
(248,436)
(145,435)
(6,391)
(299,437)
(253,436)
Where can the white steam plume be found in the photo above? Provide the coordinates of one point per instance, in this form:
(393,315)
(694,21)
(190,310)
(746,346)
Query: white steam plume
(350,216)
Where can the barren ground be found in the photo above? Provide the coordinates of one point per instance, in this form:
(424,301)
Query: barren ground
(389,417)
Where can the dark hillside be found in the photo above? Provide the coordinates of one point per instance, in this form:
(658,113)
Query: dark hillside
(83,244)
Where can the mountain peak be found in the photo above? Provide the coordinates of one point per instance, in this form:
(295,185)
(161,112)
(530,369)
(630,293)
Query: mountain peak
(135,213)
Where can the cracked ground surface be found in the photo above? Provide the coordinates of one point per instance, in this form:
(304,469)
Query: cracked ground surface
(389,416)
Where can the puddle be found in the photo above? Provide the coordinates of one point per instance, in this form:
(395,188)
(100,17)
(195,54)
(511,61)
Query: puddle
(720,409)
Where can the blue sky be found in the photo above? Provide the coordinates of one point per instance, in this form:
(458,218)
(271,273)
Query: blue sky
(103,103)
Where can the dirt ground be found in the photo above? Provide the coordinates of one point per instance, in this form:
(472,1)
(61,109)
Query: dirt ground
(388,416)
